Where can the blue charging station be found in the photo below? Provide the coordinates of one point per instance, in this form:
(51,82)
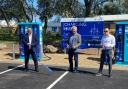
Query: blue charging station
(37,29)
(121,49)
(91,30)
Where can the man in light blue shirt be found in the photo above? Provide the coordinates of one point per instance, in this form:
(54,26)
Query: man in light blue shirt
(107,43)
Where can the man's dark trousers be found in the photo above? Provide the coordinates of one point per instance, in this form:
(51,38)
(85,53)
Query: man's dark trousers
(106,56)
(27,54)
(71,53)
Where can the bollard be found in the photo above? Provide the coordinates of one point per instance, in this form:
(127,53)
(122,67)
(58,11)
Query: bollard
(13,50)
(98,51)
(65,51)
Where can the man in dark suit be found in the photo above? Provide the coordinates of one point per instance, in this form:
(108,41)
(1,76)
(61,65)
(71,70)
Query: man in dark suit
(30,44)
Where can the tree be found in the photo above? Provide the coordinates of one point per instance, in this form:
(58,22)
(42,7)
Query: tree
(97,7)
(88,6)
(73,8)
(64,8)
(110,8)
(16,9)
(124,6)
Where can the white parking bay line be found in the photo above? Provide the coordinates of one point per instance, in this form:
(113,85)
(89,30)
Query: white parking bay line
(57,80)
(11,69)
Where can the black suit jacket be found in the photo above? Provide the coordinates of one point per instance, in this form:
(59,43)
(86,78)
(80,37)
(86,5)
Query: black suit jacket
(34,42)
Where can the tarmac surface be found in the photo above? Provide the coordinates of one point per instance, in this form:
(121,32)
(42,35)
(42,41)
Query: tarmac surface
(57,77)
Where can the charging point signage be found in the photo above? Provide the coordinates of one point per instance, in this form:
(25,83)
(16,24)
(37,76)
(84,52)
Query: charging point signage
(126,44)
(91,31)
(121,49)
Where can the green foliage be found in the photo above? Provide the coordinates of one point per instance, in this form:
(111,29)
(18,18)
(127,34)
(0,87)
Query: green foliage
(5,31)
(51,37)
(125,6)
(16,9)
(73,8)
(64,8)
(6,35)
(110,8)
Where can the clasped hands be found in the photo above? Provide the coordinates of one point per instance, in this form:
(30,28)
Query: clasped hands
(72,46)
(29,45)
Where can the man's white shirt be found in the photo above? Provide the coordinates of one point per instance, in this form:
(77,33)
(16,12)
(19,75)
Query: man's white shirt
(30,38)
(108,41)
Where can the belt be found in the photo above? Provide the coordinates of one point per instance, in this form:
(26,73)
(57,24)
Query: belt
(107,48)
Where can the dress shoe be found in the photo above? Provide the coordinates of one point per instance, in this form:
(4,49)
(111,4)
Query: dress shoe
(37,70)
(110,76)
(75,70)
(70,70)
(26,70)
(99,74)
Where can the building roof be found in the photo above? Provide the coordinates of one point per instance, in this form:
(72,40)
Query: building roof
(122,23)
(122,17)
(30,23)
(54,24)
(98,18)
(3,23)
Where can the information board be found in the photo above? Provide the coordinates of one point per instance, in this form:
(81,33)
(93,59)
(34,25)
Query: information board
(91,31)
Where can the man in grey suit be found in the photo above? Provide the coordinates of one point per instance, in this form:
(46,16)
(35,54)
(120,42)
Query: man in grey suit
(73,44)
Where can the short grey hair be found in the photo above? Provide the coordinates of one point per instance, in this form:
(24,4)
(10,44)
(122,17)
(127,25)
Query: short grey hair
(74,27)
(29,28)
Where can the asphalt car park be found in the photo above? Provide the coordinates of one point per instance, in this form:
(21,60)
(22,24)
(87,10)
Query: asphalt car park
(57,77)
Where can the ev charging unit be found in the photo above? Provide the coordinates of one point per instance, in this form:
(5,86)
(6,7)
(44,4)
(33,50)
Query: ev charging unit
(90,29)
(121,49)
(37,29)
